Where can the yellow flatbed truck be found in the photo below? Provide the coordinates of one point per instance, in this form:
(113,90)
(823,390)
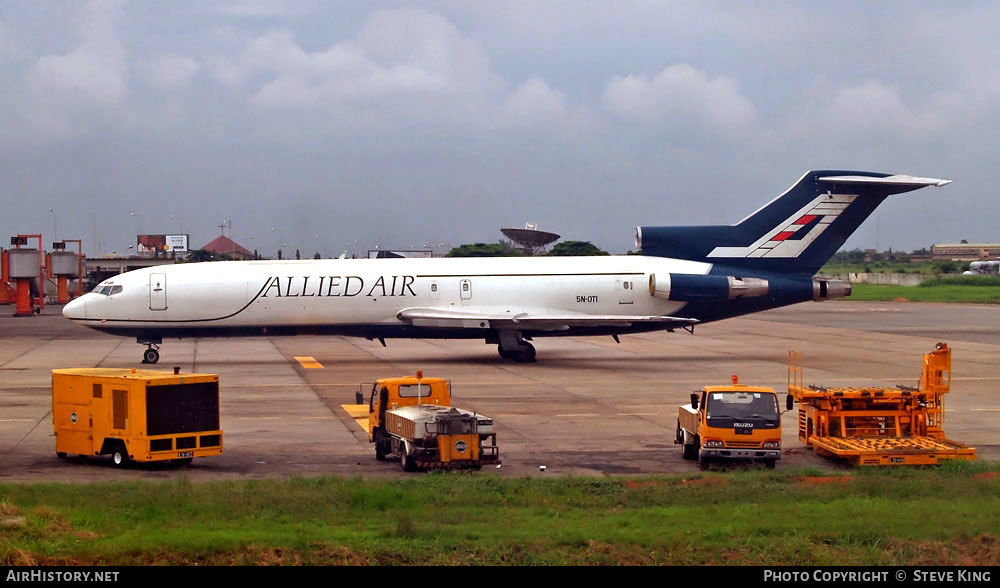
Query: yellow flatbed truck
(136,415)
(412,418)
(735,423)
(875,426)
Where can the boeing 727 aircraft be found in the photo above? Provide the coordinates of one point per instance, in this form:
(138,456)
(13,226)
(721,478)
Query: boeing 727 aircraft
(685,276)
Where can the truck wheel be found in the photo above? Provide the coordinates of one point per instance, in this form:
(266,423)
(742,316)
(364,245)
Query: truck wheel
(689,451)
(61,454)
(703,463)
(119,456)
(182,461)
(769,464)
(379,446)
(407,463)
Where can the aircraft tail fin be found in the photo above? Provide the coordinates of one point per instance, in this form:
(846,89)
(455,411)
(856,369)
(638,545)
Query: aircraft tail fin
(795,233)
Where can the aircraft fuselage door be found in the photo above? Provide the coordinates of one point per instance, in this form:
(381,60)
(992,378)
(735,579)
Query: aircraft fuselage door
(624,287)
(465,290)
(157,291)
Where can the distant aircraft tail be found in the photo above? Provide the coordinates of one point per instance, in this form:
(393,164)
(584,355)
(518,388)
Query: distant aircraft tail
(796,233)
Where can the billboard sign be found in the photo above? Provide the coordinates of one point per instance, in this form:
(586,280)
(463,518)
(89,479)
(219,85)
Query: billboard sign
(151,244)
(177,243)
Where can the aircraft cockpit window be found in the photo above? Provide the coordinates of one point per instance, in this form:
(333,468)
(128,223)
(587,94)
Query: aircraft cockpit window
(115,290)
(106,290)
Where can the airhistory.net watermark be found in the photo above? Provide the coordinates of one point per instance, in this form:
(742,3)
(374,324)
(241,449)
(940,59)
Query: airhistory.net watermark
(59,576)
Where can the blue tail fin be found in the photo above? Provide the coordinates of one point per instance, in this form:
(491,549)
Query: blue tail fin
(796,233)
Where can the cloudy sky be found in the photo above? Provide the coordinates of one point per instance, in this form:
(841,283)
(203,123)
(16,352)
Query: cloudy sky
(408,124)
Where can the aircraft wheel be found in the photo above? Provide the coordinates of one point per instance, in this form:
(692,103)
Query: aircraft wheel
(505,353)
(119,456)
(526,355)
(150,356)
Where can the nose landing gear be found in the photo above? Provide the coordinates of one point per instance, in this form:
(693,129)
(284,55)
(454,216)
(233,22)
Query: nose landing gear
(152,352)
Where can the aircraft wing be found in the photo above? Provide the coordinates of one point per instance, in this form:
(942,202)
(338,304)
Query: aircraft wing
(446,317)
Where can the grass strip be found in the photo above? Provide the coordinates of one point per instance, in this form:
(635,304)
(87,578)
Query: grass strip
(944,516)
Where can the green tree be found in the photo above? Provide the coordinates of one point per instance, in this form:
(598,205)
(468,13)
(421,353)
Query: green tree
(946,267)
(297,254)
(482,250)
(576,248)
(201,255)
(316,255)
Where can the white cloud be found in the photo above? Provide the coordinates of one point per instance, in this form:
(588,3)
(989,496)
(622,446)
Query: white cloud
(677,93)
(399,56)
(227,72)
(170,72)
(261,9)
(5,40)
(535,101)
(878,107)
(93,75)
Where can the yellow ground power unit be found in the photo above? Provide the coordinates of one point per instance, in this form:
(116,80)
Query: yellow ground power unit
(136,415)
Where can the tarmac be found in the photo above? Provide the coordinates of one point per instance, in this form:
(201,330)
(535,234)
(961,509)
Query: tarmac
(589,406)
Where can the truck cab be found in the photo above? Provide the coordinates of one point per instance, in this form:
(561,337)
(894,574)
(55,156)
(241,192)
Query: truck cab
(731,423)
(392,393)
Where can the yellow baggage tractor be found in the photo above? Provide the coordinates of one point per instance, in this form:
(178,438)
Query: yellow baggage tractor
(136,415)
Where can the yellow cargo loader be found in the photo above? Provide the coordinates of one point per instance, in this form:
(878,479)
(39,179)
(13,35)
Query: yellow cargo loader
(873,426)
(136,415)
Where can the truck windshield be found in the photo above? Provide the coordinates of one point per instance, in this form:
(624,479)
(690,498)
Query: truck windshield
(742,404)
(410,390)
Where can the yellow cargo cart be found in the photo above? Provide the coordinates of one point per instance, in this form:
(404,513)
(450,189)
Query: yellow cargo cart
(879,426)
(136,415)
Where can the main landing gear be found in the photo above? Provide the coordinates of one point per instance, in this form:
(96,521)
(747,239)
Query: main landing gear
(511,345)
(152,352)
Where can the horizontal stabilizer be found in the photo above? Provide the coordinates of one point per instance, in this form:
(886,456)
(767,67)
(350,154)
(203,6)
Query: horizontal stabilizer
(897,180)
(434,317)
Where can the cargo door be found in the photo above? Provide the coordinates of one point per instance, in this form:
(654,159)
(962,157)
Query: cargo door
(625,291)
(466,291)
(157,291)
(119,409)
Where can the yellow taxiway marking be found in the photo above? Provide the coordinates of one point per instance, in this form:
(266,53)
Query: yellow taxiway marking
(309,362)
(358,412)
(17,420)
(986,409)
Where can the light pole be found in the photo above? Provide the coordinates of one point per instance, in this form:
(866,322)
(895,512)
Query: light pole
(93,220)
(55,218)
(280,241)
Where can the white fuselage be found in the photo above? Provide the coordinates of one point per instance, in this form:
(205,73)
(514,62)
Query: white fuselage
(362,292)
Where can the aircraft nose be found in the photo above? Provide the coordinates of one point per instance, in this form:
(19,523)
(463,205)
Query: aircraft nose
(76,309)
